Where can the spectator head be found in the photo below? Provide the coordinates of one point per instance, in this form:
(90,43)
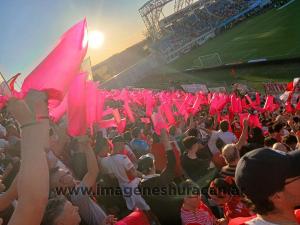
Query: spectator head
(102,146)
(258,134)
(118,143)
(60,211)
(221,190)
(269,142)
(224,125)
(146,164)
(230,154)
(270,179)
(191,143)
(280,147)
(280,119)
(61,178)
(127,136)
(291,141)
(192,193)
(192,132)
(278,128)
(136,133)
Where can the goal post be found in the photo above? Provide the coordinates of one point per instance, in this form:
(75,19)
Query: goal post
(208,61)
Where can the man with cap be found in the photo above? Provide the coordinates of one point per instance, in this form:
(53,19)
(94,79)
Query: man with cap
(271,180)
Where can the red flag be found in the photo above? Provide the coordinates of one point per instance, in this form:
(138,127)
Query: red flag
(11,82)
(58,70)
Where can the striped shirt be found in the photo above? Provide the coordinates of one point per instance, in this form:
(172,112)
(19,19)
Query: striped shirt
(201,216)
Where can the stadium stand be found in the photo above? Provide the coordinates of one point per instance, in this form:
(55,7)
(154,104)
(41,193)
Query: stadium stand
(181,31)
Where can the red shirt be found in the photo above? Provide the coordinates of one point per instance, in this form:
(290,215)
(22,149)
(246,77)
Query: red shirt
(240,220)
(135,218)
(236,208)
(159,153)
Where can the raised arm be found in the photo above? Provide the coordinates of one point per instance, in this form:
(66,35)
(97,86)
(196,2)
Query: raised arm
(33,178)
(168,173)
(243,138)
(90,177)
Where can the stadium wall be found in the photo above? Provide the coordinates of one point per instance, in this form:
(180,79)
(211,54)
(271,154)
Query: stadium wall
(249,64)
(134,73)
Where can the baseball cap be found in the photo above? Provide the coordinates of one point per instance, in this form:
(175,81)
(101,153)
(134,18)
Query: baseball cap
(118,138)
(189,141)
(145,162)
(263,172)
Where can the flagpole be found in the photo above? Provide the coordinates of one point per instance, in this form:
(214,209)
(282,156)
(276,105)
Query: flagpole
(4,86)
(2,76)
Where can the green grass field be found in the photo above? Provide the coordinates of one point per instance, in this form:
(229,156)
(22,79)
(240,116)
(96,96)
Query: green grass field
(272,35)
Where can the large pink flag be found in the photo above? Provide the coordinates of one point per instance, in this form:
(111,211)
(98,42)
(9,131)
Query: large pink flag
(56,72)
(91,104)
(166,108)
(129,112)
(158,122)
(57,113)
(77,106)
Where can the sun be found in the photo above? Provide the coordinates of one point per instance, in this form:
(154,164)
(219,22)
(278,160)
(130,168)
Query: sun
(96,39)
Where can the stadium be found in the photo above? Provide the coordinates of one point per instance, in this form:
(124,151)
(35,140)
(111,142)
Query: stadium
(205,35)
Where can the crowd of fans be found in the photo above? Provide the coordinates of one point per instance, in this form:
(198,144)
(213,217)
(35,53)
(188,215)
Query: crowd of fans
(199,171)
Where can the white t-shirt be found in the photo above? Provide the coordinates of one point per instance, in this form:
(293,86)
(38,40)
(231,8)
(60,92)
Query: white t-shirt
(118,165)
(228,137)
(212,143)
(259,221)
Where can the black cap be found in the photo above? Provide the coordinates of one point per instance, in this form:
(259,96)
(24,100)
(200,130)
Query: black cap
(263,172)
(145,163)
(189,141)
(118,138)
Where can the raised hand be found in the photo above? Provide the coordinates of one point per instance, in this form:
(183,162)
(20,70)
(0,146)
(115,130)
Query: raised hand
(20,111)
(37,102)
(246,122)
(110,220)
(164,138)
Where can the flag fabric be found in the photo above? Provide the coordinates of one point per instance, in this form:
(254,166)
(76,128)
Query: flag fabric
(57,71)
(11,82)
(290,89)
(76,103)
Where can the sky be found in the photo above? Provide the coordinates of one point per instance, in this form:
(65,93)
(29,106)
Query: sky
(31,28)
